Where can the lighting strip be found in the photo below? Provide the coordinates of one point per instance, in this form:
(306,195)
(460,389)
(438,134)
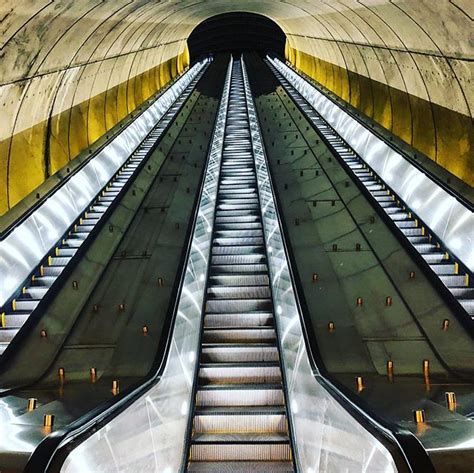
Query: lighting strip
(345,440)
(382,171)
(25,245)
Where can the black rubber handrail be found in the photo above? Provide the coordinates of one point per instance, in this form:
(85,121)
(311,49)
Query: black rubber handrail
(405,443)
(52,451)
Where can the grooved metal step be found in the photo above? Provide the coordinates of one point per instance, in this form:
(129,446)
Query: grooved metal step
(240,467)
(240,395)
(239,352)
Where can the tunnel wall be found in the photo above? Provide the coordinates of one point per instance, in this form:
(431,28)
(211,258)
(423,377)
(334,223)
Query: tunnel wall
(70,70)
(52,143)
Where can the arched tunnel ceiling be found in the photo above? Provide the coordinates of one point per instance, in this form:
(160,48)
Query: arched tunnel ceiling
(70,70)
(236,32)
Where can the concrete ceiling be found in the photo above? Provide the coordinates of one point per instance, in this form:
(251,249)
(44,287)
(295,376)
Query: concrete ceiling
(71,69)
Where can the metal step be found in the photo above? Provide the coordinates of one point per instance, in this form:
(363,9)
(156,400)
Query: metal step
(238,335)
(239,373)
(240,395)
(221,352)
(232,447)
(218,419)
(240,292)
(238,319)
(238,305)
(239,280)
(240,467)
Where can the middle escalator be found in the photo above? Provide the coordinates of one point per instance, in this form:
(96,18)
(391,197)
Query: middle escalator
(240,413)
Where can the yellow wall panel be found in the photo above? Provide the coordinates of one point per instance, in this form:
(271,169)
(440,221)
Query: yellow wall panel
(4,146)
(96,125)
(111,115)
(59,142)
(78,133)
(424,132)
(26,146)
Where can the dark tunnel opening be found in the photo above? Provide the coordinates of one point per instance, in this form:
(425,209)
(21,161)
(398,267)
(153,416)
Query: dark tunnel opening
(236,33)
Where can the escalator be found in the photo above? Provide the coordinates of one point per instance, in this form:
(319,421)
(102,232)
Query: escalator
(238,382)
(238,389)
(451,273)
(239,415)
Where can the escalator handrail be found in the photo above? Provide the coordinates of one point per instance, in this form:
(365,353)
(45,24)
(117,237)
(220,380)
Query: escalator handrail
(404,441)
(57,442)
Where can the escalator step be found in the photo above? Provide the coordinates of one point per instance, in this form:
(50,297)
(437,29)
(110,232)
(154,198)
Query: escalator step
(240,467)
(244,259)
(239,373)
(238,305)
(239,292)
(239,353)
(240,395)
(245,419)
(238,319)
(239,335)
(239,280)
(263,447)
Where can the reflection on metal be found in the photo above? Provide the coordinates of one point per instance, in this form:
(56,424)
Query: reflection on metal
(426,368)
(406,194)
(419,416)
(325,436)
(24,248)
(48,420)
(149,435)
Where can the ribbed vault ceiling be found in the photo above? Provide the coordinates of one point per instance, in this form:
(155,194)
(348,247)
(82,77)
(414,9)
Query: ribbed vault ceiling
(58,54)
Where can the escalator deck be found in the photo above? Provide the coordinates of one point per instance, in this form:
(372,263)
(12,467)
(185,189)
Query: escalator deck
(240,420)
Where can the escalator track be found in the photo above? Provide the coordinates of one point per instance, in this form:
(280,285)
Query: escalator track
(240,421)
